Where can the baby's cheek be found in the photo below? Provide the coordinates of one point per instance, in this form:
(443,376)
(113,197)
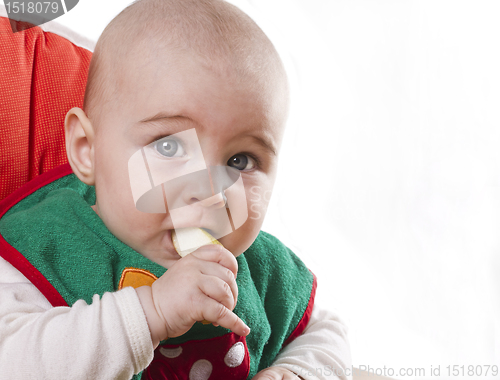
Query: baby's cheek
(257,202)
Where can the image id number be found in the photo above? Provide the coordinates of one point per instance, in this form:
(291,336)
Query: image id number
(39,7)
(472,370)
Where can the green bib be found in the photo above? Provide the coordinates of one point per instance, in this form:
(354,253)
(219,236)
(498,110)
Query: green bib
(67,244)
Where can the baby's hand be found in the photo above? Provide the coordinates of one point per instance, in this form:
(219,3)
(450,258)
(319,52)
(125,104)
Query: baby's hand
(201,285)
(276,373)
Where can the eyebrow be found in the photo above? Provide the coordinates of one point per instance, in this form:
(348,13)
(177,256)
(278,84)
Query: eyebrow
(161,116)
(264,143)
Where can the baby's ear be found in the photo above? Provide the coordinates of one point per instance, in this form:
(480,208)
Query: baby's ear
(80,144)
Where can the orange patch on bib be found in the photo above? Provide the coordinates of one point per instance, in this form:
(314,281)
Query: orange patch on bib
(136,278)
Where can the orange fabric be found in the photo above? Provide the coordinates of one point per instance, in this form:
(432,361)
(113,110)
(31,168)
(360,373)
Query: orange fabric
(42,76)
(136,278)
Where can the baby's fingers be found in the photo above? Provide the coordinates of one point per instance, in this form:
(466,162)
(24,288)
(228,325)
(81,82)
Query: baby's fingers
(218,313)
(224,274)
(220,291)
(276,373)
(217,254)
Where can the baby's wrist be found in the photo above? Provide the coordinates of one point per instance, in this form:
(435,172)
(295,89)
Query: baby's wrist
(156,324)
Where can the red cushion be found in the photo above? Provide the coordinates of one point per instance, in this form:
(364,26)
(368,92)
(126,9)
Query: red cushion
(42,76)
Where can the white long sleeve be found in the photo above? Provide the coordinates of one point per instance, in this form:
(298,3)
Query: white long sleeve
(108,339)
(321,351)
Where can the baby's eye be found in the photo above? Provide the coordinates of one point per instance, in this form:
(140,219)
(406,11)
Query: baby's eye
(241,162)
(169,147)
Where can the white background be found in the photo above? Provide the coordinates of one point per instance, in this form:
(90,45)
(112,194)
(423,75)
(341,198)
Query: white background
(389,187)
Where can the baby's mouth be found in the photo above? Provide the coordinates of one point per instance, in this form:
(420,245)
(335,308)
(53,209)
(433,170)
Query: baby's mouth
(188,240)
(212,230)
(168,240)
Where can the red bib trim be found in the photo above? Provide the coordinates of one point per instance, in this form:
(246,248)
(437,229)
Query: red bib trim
(307,314)
(13,256)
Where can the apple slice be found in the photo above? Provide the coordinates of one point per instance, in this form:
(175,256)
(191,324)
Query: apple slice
(191,238)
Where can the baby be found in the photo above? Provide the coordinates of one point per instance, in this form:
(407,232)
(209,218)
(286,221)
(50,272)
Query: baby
(91,285)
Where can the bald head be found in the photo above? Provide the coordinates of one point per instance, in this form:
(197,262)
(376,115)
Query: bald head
(221,36)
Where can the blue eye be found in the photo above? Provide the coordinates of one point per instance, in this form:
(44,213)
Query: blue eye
(241,162)
(169,148)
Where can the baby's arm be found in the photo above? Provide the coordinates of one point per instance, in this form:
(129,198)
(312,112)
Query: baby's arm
(108,339)
(321,351)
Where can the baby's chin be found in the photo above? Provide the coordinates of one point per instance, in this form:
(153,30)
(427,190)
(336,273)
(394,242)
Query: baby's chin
(164,258)
(161,250)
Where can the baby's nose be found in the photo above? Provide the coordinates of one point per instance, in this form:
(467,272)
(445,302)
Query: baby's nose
(218,200)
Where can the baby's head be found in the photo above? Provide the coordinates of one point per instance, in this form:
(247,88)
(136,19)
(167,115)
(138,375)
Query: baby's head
(162,67)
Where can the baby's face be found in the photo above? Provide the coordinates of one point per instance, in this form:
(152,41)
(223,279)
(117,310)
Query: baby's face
(236,124)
